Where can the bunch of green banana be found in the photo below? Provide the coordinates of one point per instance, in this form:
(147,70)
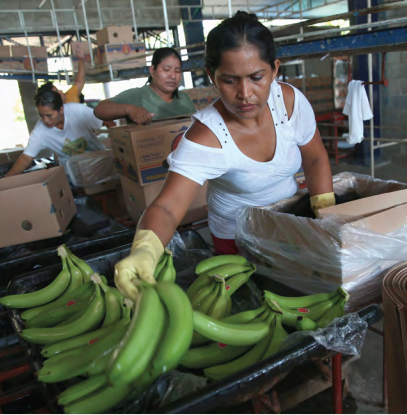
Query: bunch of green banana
(165,271)
(151,343)
(74,273)
(301,312)
(89,319)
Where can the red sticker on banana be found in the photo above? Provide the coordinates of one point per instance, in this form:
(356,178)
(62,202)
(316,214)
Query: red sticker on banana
(93,341)
(72,302)
(303,310)
(222,345)
(227,287)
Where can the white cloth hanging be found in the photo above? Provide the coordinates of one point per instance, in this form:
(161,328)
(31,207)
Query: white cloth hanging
(357,108)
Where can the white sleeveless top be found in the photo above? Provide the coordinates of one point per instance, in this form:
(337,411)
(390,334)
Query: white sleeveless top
(236,180)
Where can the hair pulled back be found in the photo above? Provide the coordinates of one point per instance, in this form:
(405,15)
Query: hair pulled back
(232,33)
(48,98)
(158,56)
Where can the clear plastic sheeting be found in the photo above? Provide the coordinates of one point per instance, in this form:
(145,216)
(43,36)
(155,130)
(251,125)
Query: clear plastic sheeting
(344,335)
(91,169)
(319,255)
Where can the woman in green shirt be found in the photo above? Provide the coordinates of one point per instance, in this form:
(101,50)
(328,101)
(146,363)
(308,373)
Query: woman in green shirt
(158,99)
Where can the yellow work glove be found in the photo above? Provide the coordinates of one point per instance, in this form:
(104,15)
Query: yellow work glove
(145,253)
(322,201)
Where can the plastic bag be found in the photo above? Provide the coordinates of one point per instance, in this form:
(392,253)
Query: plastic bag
(319,255)
(90,169)
(344,335)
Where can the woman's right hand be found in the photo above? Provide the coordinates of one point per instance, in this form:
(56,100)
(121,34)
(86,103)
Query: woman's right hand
(139,115)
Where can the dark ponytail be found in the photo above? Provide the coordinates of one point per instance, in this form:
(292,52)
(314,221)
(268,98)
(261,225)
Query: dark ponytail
(158,56)
(232,33)
(48,98)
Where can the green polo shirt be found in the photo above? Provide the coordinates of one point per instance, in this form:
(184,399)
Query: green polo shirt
(145,97)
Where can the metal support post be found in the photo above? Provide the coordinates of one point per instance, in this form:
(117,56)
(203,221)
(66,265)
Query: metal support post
(99,14)
(337,382)
(22,23)
(230,7)
(75,17)
(55,22)
(167,28)
(134,20)
(87,31)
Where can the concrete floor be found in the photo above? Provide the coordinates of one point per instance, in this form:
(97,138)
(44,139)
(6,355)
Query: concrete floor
(365,375)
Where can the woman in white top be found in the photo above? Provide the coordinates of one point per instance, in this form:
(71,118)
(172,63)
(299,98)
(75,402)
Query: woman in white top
(248,144)
(65,129)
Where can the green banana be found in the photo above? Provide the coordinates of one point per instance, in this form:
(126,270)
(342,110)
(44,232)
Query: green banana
(167,273)
(216,261)
(305,324)
(83,266)
(135,352)
(60,356)
(235,282)
(201,282)
(178,336)
(100,364)
(91,319)
(337,310)
(278,335)
(203,295)
(231,334)
(71,319)
(246,360)
(245,316)
(56,316)
(37,298)
(222,303)
(313,312)
(76,290)
(99,402)
(228,270)
(304,301)
(81,389)
(161,264)
(76,273)
(211,355)
(83,339)
(76,362)
(113,306)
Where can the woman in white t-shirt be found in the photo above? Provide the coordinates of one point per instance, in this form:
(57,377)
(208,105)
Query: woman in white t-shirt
(65,129)
(248,145)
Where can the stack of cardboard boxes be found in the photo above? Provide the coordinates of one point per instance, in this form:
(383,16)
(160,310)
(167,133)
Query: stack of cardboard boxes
(115,43)
(140,153)
(18,58)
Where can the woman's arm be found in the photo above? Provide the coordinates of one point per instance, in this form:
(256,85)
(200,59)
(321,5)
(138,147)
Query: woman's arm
(22,163)
(317,168)
(108,110)
(170,206)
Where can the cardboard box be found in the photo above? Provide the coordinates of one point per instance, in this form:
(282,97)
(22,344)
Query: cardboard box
(114,34)
(102,187)
(92,168)
(113,52)
(35,206)
(5,57)
(84,46)
(140,150)
(137,198)
(206,96)
(193,95)
(353,249)
(20,58)
(202,97)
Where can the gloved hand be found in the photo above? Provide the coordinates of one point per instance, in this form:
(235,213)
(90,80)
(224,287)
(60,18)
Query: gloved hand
(145,253)
(322,201)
